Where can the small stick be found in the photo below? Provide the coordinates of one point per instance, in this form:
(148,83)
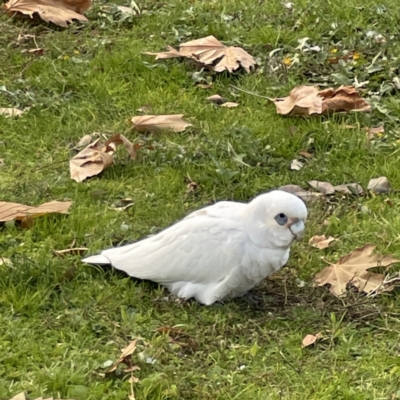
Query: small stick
(251,93)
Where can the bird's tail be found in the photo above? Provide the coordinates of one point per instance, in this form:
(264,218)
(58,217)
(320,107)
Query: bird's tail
(98,259)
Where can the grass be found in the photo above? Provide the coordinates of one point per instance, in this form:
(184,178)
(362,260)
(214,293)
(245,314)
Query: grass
(61,320)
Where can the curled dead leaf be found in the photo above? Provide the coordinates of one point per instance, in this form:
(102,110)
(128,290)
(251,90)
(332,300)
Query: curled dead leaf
(323,187)
(217,99)
(230,104)
(352,269)
(156,123)
(350,188)
(60,12)
(298,191)
(310,339)
(125,358)
(379,185)
(94,158)
(210,51)
(321,242)
(308,100)
(20,212)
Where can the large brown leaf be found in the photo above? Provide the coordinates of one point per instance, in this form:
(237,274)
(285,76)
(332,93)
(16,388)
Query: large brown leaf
(304,101)
(94,158)
(60,12)
(353,269)
(157,123)
(210,51)
(21,212)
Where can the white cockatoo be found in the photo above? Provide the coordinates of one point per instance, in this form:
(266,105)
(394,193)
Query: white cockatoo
(217,252)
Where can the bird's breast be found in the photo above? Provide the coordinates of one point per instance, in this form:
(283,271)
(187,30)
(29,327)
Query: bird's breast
(261,262)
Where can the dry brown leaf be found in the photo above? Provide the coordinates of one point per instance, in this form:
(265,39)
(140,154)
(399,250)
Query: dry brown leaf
(321,242)
(353,269)
(343,99)
(372,133)
(302,101)
(11,112)
(209,50)
(21,212)
(323,187)
(156,123)
(217,99)
(125,358)
(230,104)
(310,339)
(349,188)
(74,251)
(60,12)
(379,185)
(94,158)
(308,100)
(298,191)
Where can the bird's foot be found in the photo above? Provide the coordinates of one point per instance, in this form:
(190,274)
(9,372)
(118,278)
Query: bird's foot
(254,299)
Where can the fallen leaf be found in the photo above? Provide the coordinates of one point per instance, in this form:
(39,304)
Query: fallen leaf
(349,188)
(229,104)
(210,51)
(94,158)
(379,185)
(308,100)
(156,123)
(353,269)
(125,358)
(310,339)
(74,251)
(343,99)
(11,112)
(60,12)
(298,191)
(321,242)
(323,187)
(21,212)
(217,99)
(296,165)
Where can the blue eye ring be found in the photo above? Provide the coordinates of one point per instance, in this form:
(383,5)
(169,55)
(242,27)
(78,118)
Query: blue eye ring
(281,219)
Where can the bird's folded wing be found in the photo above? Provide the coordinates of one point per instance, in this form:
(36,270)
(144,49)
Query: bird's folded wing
(200,249)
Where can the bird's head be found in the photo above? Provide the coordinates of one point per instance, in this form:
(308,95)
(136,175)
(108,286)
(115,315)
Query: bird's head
(276,219)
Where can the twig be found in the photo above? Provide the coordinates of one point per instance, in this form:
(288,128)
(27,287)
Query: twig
(251,93)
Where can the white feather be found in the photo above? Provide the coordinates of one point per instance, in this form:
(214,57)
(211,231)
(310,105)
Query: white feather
(219,251)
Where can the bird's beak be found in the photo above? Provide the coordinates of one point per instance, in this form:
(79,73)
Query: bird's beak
(296,227)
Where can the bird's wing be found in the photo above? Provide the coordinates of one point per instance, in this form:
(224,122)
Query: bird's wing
(228,209)
(200,249)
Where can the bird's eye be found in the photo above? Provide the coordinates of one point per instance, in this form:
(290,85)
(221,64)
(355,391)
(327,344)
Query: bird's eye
(281,219)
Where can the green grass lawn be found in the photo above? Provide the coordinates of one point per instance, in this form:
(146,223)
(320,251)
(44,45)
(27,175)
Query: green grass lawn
(61,321)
